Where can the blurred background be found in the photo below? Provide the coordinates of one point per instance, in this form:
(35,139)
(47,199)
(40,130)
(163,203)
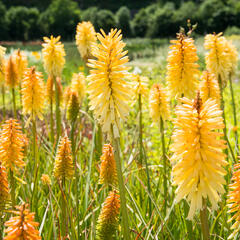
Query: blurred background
(26,20)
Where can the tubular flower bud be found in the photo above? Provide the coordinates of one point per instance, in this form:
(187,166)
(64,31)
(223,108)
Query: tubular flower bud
(85,38)
(109,216)
(63,166)
(108,171)
(11,74)
(46,179)
(217,58)
(33,96)
(78,85)
(109,92)
(182,67)
(11,145)
(158,103)
(209,87)
(22,226)
(198,158)
(53,56)
(73,106)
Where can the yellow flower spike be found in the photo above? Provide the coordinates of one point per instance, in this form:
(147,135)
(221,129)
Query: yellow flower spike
(4,190)
(53,56)
(37,55)
(21,63)
(182,67)
(22,226)
(109,217)
(158,103)
(108,171)
(2,54)
(63,166)
(11,74)
(33,93)
(209,87)
(233,56)
(46,179)
(78,85)
(66,96)
(109,92)
(217,58)
(234,201)
(85,38)
(73,106)
(11,145)
(140,85)
(198,159)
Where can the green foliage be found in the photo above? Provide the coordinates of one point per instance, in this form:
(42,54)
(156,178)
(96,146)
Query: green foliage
(232,31)
(22,23)
(3,21)
(123,21)
(105,20)
(162,23)
(61,18)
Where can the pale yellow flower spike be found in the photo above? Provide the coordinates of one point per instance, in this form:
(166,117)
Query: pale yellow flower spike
(2,54)
(198,159)
(233,56)
(140,85)
(85,38)
(209,87)
(217,58)
(33,93)
(182,67)
(109,92)
(53,56)
(78,85)
(158,103)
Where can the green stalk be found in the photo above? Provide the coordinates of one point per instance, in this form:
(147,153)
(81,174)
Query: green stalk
(51,121)
(13,187)
(3,101)
(76,174)
(14,103)
(142,150)
(20,97)
(188,222)
(126,232)
(64,210)
(58,113)
(204,221)
(164,165)
(234,113)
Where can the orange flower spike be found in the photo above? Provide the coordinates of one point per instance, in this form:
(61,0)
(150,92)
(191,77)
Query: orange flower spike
(22,226)
(4,190)
(63,166)
(108,218)
(11,145)
(21,63)
(11,74)
(108,171)
(33,94)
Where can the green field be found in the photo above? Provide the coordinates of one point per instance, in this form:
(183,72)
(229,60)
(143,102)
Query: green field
(145,198)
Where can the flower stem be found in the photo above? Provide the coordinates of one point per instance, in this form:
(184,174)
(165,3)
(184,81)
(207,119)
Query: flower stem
(14,103)
(142,150)
(64,209)
(51,121)
(58,113)
(164,165)
(12,181)
(126,232)
(204,221)
(234,113)
(3,101)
